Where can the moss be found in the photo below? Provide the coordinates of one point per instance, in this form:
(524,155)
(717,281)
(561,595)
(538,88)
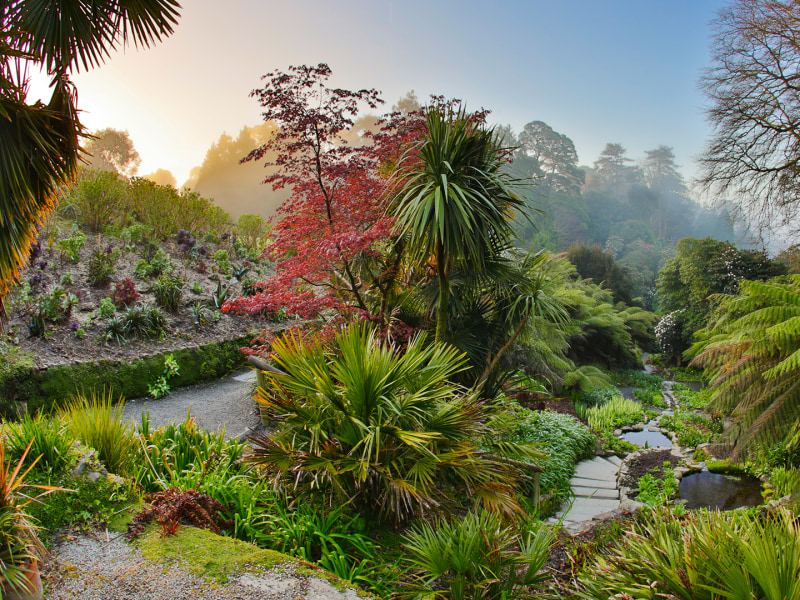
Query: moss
(15,367)
(53,387)
(207,554)
(725,467)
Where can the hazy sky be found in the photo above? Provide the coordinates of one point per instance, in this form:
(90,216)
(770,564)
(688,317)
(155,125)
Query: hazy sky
(598,71)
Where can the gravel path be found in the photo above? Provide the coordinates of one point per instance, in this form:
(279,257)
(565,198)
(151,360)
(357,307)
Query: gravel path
(225,404)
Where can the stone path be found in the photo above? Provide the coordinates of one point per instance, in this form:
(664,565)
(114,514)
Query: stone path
(595,487)
(224,404)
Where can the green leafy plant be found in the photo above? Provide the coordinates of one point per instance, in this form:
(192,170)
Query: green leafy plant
(48,440)
(617,412)
(701,556)
(168,292)
(107,308)
(102,263)
(385,430)
(70,247)
(477,558)
(658,487)
(97,421)
(160,387)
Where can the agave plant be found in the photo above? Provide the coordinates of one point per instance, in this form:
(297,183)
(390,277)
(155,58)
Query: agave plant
(751,351)
(386,431)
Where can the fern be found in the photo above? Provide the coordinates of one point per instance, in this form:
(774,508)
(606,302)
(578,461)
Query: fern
(751,350)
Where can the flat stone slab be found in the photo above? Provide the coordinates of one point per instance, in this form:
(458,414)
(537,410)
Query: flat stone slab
(248,377)
(597,468)
(614,459)
(606,484)
(584,509)
(599,493)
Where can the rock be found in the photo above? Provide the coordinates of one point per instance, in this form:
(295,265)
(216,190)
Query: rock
(618,432)
(79,468)
(94,476)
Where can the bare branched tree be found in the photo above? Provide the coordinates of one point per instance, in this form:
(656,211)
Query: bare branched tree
(753,158)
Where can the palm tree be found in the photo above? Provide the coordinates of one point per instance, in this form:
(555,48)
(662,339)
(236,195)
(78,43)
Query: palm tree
(752,353)
(39,143)
(389,432)
(456,202)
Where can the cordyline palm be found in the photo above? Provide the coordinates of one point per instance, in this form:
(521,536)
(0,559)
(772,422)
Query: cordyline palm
(456,202)
(39,143)
(365,424)
(752,354)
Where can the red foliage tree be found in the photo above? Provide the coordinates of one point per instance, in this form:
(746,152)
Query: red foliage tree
(333,245)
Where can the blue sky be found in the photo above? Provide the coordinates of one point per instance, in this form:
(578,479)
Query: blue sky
(613,71)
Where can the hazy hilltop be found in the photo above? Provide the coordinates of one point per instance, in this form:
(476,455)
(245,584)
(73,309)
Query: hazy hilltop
(237,187)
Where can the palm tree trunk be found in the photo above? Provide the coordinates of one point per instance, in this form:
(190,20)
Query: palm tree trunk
(444,294)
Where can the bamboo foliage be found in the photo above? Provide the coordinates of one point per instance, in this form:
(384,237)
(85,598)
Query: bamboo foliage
(752,352)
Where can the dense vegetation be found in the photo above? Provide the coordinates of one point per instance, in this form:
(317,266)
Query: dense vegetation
(426,318)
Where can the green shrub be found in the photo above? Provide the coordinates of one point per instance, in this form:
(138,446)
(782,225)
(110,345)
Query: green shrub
(70,247)
(97,422)
(168,292)
(159,264)
(649,397)
(701,556)
(658,487)
(639,379)
(102,263)
(50,440)
(97,198)
(394,418)
(692,428)
(564,440)
(107,308)
(688,398)
(598,396)
(617,412)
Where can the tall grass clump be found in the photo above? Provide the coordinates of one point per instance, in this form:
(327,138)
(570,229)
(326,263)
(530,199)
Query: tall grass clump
(96,421)
(50,440)
(617,412)
(701,556)
(564,440)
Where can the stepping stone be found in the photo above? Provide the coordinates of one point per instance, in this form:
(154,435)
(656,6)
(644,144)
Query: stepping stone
(606,484)
(596,468)
(614,460)
(599,493)
(587,509)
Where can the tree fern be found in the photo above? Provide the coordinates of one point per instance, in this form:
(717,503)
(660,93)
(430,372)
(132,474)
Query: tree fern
(752,352)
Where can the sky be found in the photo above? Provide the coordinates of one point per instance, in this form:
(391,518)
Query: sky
(623,71)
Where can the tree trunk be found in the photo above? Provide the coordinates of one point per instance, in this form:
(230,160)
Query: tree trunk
(444,294)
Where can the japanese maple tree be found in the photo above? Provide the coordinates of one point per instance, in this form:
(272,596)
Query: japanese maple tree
(332,242)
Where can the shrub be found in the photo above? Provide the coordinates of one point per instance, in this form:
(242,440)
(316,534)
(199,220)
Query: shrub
(168,293)
(97,198)
(159,264)
(101,265)
(125,293)
(252,231)
(70,247)
(702,556)
(50,441)
(617,412)
(97,422)
(107,308)
(382,429)
(564,440)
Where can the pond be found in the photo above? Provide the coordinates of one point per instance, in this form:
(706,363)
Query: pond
(719,491)
(648,439)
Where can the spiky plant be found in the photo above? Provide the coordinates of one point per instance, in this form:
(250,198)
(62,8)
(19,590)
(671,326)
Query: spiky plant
(388,432)
(751,353)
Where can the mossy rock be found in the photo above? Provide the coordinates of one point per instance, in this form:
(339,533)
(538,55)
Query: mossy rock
(45,390)
(222,558)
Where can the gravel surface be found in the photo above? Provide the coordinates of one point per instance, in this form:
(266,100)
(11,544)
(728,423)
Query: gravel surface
(84,568)
(225,404)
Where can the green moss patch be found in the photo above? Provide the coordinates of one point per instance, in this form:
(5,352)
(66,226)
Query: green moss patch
(207,554)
